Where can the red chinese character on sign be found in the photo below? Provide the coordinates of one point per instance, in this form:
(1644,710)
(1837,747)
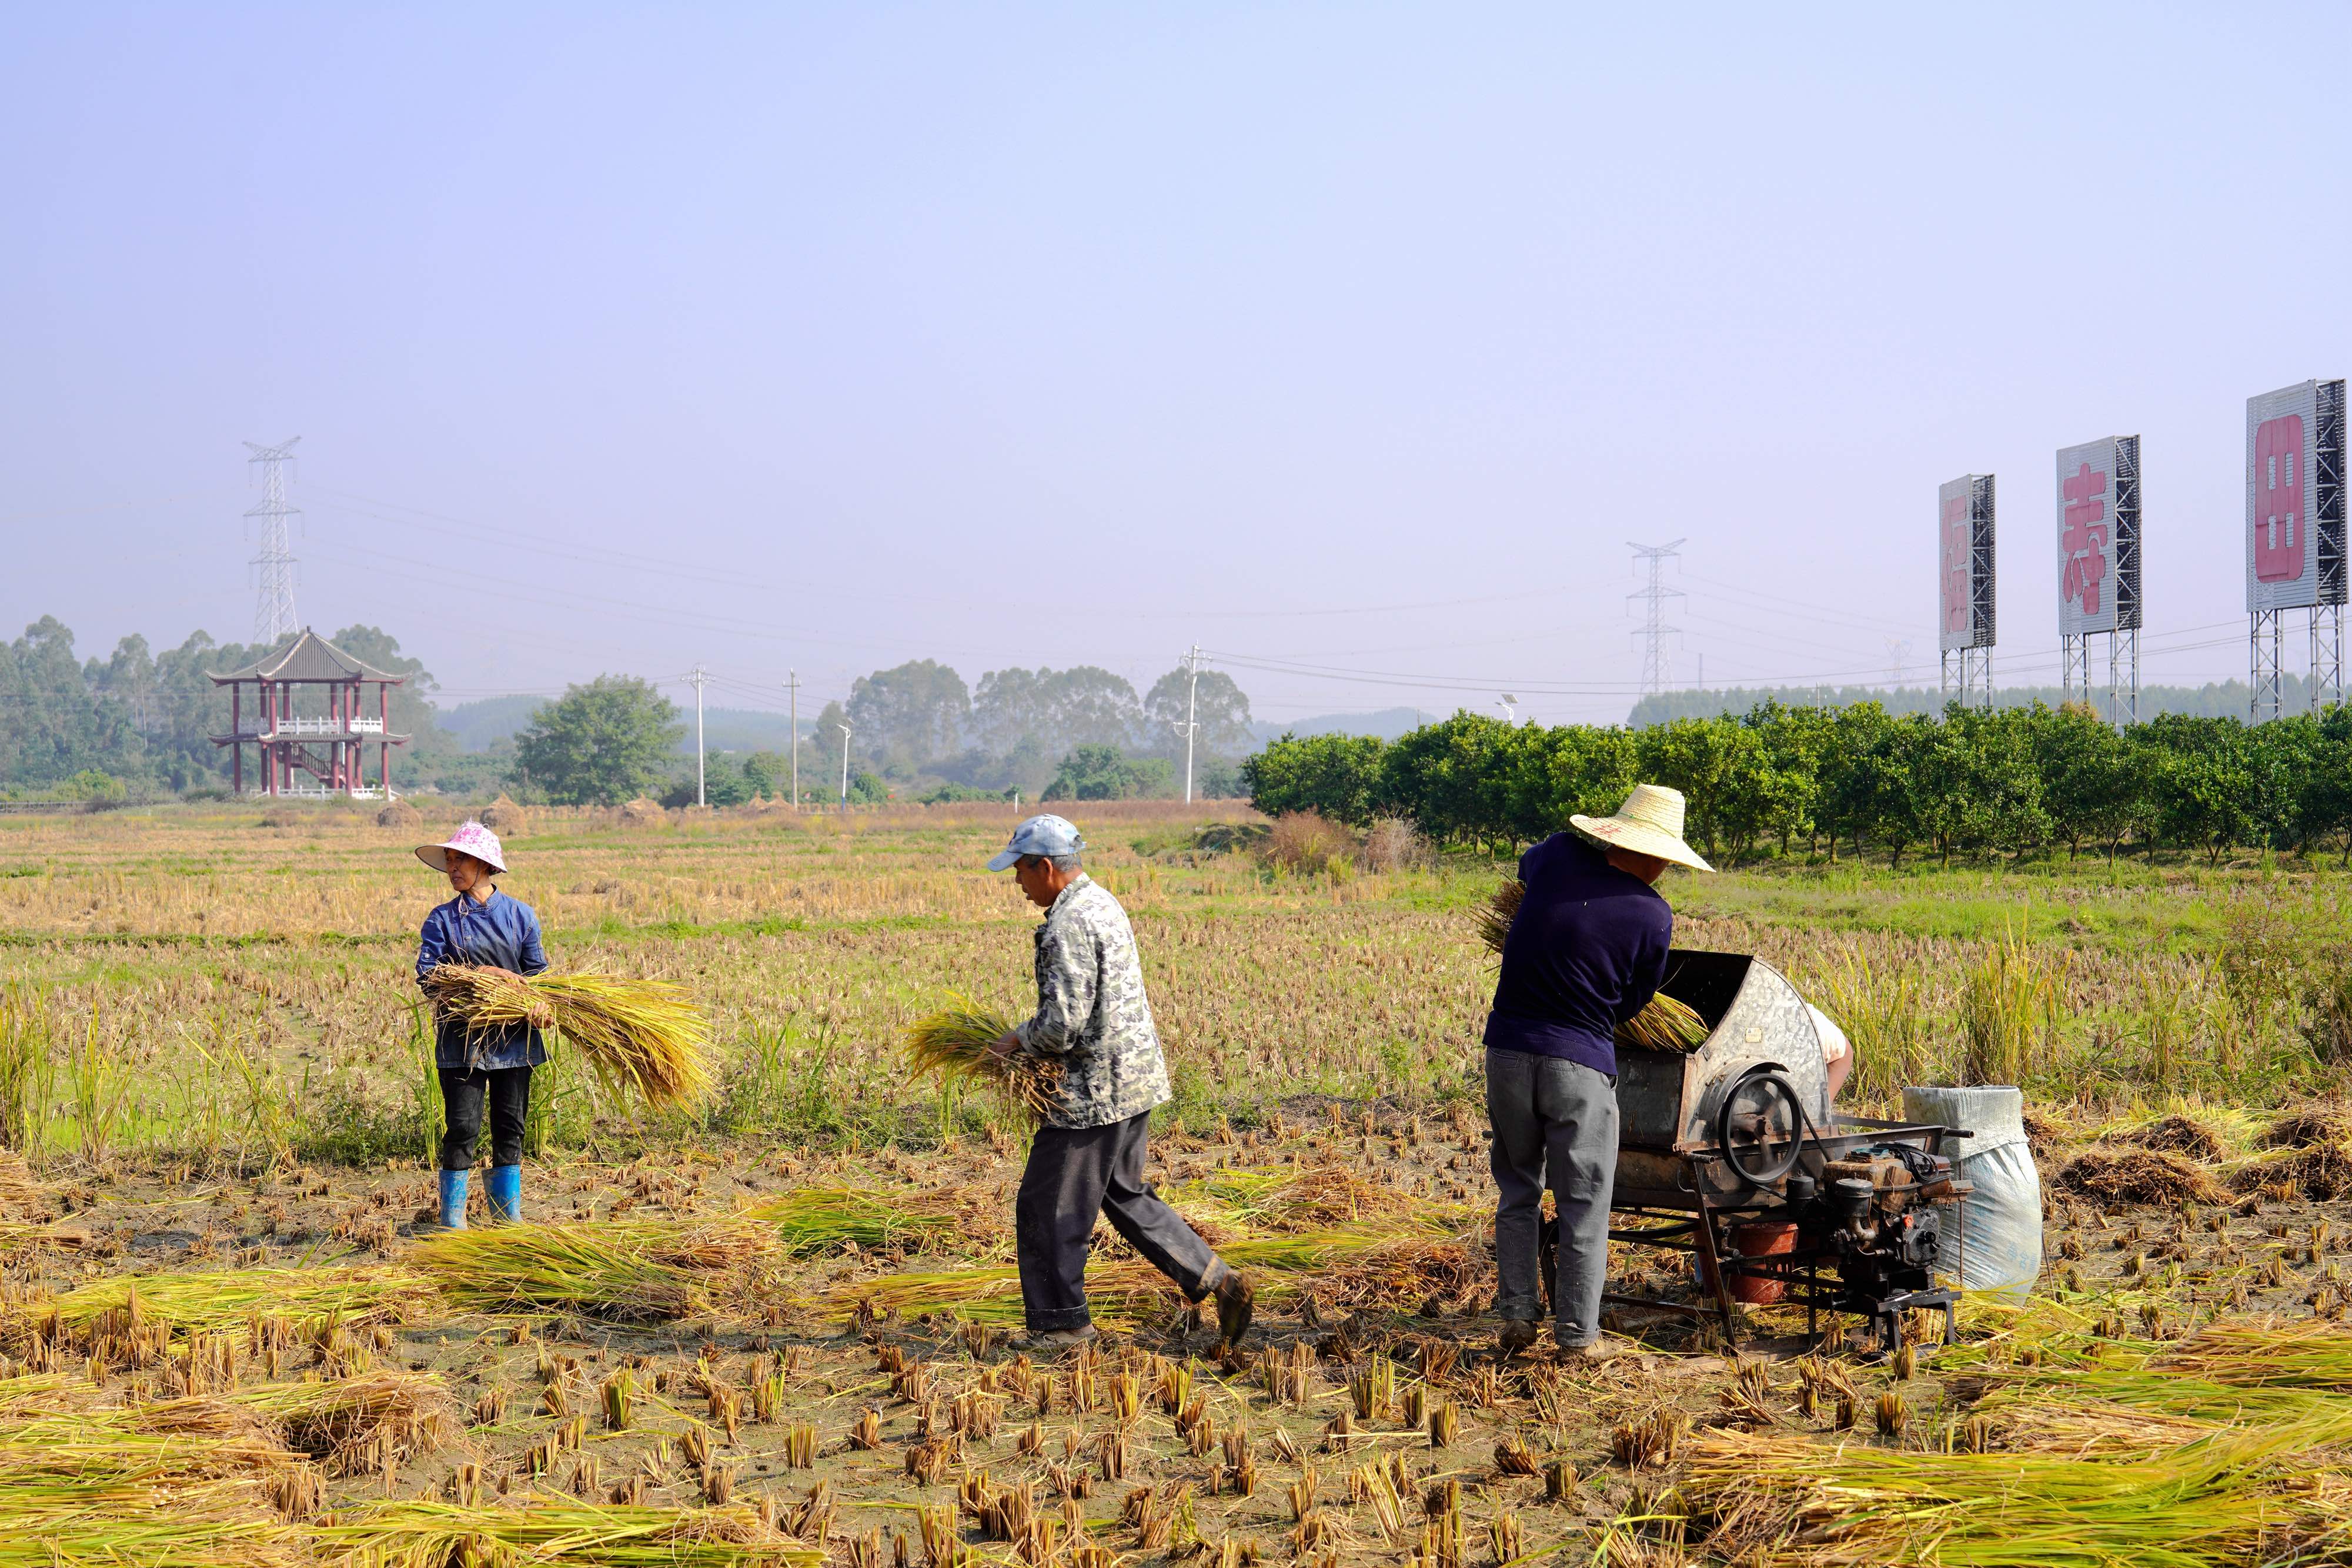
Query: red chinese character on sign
(2083,536)
(1958,549)
(2279,517)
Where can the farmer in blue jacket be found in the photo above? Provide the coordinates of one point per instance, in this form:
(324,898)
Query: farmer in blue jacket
(484,928)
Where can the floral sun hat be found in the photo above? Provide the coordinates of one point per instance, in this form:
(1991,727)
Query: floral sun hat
(470,839)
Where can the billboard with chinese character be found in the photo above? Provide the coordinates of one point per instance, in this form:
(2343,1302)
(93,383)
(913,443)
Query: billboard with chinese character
(2294,497)
(1964,564)
(2098,536)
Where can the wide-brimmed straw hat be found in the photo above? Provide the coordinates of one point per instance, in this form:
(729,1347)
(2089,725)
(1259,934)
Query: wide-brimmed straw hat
(470,839)
(1650,822)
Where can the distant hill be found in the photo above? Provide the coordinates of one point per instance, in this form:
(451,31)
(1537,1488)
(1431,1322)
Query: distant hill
(481,725)
(2221,699)
(1388,724)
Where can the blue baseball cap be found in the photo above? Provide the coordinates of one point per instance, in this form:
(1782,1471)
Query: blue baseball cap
(1047,835)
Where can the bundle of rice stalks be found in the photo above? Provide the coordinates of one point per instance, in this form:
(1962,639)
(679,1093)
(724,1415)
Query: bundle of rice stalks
(547,1528)
(1494,918)
(643,1037)
(1289,1197)
(621,1270)
(91,1487)
(2177,1135)
(2321,1171)
(209,1302)
(1665,1025)
(2135,1175)
(2233,1496)
(2228,1372)
(954,1041)
(815,1221)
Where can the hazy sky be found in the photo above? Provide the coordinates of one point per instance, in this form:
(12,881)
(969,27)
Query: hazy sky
(1357,337)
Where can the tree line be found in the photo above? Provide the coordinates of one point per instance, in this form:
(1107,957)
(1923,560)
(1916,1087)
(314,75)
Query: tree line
(1855,778)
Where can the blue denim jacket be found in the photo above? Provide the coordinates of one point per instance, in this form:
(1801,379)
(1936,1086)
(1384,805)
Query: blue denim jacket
(501,932)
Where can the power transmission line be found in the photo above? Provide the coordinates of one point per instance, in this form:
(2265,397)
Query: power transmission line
(273,601)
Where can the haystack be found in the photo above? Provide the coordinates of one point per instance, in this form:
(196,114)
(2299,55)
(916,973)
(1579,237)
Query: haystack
(2306,1126)
(504,818)
(2135,1175)
(642,813)
(399,814)
(2321,1171)
(2177,1135)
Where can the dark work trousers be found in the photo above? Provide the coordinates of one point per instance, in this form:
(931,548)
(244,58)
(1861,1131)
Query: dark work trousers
(1555,1122)
(1074,1173)
(508,1091)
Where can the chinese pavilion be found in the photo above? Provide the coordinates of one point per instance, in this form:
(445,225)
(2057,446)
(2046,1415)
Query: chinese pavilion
(316,754)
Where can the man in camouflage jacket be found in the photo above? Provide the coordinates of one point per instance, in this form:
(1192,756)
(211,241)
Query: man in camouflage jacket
(1087,1158)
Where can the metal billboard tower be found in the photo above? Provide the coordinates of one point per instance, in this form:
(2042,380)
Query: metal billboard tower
(2099,501)
(1964,589)
(1656,667)
(2294,535)
(273,603)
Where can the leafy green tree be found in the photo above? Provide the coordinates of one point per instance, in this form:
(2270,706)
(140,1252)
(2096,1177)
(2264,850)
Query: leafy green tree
(1730,790)
(1219,708)
(2200,786)
(1796,740)
(1105,773)
(1975,783)
(600,744)
(2089,786)
(1335,776)
(1451,779)
(908,716)
(52,725)
(2324,808)
(1562,771)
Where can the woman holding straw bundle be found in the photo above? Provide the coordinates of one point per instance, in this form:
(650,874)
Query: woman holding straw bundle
(480,1067)
(1585,953)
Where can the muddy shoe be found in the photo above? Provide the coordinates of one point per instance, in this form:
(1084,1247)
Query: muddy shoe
(1053,1342)
(1516,1335)
(1592,1353)
(1236,1304)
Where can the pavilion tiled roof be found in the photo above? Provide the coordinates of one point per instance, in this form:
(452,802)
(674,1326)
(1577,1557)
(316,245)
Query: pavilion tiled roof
(309,657)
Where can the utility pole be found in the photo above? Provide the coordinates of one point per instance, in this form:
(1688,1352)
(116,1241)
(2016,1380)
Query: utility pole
(1191,705)
(697,675)
(1655,629)
(793,685)
(273,601)
(845,763)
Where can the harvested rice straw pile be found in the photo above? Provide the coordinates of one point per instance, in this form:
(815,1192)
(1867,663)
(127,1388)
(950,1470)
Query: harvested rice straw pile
(209,1302)
(1397,1260)
(75,1491)
(644,1037)
(818,1220)
(548,1528)
(349,1424)
(622,1270)
(2239,1495)
(1666,1024)
(954,1041)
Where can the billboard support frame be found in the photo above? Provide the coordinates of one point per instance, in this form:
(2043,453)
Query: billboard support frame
(1965,512)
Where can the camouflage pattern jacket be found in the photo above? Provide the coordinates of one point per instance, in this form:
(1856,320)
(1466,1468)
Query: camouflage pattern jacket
(1092,1012)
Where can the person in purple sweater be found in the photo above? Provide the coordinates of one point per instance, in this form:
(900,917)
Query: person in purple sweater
(1586,952)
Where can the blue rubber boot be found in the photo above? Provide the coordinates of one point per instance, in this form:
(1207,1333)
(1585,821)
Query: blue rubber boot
(452,1199)
(505,1192)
